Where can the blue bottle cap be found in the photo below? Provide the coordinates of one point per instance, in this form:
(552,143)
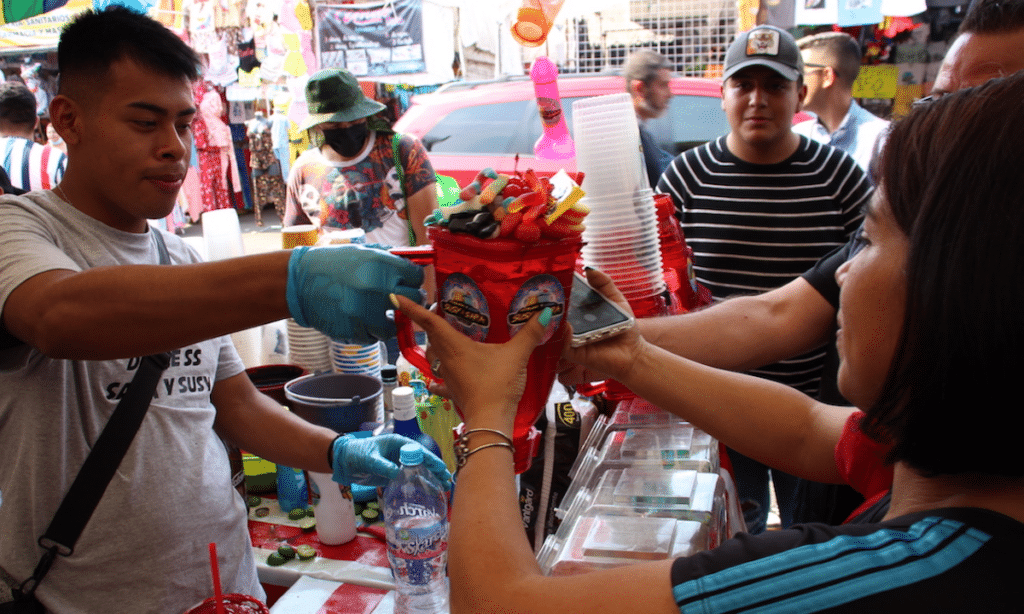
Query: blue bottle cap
(411,454)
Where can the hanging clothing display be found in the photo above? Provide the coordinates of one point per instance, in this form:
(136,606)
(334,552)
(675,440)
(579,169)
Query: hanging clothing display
(267,180)
(222,66)
(215,151)
(201,27)
(280,128)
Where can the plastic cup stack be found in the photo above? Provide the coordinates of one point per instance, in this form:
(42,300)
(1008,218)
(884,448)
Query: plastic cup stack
(608,145)
(308,348)
(222,234)
(621,236)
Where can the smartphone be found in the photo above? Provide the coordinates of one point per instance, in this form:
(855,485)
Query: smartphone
(592,316)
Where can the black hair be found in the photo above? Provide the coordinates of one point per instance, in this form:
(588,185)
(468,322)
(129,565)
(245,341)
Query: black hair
(993,16)
(951,176)
(95,40)
(18,105)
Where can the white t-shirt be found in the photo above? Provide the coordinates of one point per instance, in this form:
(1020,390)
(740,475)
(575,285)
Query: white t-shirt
(145,547)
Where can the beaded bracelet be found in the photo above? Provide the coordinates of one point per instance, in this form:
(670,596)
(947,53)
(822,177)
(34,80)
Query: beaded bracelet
(462,451)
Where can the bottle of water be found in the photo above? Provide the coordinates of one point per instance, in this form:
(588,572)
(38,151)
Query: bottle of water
(416,524)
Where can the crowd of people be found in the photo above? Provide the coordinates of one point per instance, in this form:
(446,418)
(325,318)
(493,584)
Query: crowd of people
(924,241)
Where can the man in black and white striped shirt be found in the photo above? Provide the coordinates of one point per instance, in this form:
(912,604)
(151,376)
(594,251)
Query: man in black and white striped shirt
(760,205)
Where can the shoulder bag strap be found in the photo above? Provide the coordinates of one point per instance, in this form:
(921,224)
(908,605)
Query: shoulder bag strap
(161,247)
(104,458)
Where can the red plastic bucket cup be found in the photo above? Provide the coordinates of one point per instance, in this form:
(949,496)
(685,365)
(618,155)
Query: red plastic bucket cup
(488,289)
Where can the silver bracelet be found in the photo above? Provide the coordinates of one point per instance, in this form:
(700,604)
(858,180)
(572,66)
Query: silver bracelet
(463,452)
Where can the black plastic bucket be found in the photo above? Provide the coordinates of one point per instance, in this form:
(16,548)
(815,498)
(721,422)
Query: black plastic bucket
(338,401)
(270,379)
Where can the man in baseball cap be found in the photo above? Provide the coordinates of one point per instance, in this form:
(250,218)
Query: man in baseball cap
(759,206)
(763,63)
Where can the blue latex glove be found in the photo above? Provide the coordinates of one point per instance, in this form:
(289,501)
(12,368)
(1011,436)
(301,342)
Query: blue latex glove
(373,461)
(342,290)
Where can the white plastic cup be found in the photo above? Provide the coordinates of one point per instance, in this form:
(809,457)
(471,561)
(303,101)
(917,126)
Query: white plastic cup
(223,234)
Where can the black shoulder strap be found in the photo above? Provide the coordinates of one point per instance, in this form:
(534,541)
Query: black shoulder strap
(108,451)
(161,246)
(105,457)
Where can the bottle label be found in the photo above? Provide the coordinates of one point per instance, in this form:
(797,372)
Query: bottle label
(416,542)
(550,111)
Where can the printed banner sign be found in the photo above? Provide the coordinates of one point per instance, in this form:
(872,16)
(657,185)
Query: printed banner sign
(372,39)
(40,30)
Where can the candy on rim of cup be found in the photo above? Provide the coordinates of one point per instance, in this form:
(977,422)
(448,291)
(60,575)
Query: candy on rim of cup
(538,224)
(523,207)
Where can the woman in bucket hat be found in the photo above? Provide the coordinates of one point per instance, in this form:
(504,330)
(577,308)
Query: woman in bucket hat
(350,178)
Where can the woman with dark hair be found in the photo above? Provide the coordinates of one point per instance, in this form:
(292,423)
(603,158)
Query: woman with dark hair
(930,330)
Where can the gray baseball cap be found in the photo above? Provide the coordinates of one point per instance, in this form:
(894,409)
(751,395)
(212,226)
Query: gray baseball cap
(765,46)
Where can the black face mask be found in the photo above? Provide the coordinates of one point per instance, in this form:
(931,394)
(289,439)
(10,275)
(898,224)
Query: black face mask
(347,141)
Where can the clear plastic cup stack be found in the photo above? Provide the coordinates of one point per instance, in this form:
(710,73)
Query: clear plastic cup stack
(622,228)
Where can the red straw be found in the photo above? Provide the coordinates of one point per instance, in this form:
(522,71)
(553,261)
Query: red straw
(216,578)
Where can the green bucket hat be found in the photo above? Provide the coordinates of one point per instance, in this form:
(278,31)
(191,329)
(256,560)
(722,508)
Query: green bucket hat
(334,95)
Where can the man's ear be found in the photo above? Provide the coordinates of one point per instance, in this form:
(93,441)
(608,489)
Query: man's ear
(636,88)
(65,115)
(828,77)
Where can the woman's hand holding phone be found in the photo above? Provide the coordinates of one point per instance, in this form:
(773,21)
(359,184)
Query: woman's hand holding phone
(610,357)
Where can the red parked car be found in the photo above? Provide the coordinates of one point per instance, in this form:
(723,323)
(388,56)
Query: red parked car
(468,126)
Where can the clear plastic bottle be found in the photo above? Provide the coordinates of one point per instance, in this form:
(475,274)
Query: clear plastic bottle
(416,524)
(388,377)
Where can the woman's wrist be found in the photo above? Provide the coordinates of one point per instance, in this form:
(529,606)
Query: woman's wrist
(639,362)
(494,415)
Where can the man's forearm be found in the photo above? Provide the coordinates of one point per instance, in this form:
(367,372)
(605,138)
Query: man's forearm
(747,332)
(768,421)
(117,312)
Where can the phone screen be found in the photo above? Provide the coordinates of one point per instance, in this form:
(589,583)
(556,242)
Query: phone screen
(589,311)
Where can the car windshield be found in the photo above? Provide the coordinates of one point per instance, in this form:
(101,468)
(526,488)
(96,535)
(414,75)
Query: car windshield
(513,127)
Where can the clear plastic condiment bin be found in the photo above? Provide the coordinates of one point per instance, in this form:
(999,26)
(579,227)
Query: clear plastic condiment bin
(601,541)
